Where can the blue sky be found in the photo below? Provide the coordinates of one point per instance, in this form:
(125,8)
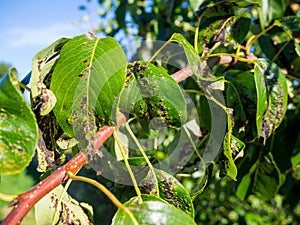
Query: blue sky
(28,26)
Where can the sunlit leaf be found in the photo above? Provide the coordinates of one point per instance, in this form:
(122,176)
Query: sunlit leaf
(155,211)
(18,127)
(192,56)
(89,88)
(198,67)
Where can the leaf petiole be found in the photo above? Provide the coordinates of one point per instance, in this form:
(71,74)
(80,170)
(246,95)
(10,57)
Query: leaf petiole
(145,157)
(102,188)
(7,197)
(135,185)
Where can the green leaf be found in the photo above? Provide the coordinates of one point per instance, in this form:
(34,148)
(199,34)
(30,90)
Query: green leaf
(233,149)
(89,74)
(69,210)
(192,56)
(170,190)
(215,10)
(230,31)
(243,188)
(224,8)
(208,35)
(155,211)
(238,29)
(234,101)
(271,89)
(266,178)
(18,127)
(42,64)
(291,24)
(263,179)
(150,92)
(198,67)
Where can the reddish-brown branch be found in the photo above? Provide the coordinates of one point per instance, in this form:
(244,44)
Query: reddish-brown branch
(25,201)
(182,74)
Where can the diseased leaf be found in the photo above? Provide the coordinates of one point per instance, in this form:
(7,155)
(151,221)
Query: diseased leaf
(69,211)
(44,156)
(215,10)
(234,101)
(155,211)
(271,88)
(88,90)
(150,92)
(18,127)
(224,8)
(229,31)
(233,149)
(43,102)
(207,35)
(170,190)
(42,64)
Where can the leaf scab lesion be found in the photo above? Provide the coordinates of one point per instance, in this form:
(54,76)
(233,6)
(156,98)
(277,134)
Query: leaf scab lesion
(272,87)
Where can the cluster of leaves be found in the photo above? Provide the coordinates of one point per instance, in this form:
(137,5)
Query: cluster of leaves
(78,86)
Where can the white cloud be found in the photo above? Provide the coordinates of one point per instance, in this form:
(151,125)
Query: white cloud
(21,37)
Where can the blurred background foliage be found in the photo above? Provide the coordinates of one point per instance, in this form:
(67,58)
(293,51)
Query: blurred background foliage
(134,20)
